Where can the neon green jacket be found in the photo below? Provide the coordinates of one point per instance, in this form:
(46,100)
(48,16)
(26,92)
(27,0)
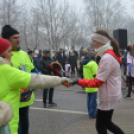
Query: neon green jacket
(11,80)
(89,70)
(21,57)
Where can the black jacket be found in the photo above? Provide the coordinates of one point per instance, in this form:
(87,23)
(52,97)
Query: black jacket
(61,59)
(43,64)
(72,60)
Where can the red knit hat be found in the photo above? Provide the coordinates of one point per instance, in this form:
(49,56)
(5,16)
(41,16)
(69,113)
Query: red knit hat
(4,45)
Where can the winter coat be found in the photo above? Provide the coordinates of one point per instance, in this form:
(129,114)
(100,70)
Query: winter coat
(61,59)
(43,64)
(72,61)
(6,114)
(13,79)
(89,72)
(76,54)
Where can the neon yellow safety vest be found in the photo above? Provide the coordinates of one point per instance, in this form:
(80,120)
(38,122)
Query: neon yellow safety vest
(11,80)
(89,70)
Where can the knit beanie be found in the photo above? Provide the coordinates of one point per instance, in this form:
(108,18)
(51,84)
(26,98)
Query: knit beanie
(4,44)
(8,31)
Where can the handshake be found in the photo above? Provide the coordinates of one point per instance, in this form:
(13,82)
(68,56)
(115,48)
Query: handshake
(68,83)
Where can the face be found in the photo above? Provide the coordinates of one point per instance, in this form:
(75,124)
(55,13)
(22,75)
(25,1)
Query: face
(61,51)
(8,53)
(15,41)
(46,54)
(97,44)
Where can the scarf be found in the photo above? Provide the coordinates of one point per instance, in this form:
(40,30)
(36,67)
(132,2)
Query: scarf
(100,51)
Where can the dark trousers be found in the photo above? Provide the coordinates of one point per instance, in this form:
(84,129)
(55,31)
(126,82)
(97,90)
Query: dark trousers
(104,122)
(130,82)
(51,91)
(72,69)
(23,120)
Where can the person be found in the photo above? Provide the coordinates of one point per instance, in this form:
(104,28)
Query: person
(31,55)
(42,65)
(67,69)
(40,54)
(75,52)
(13,79)
(89,72)
(20,59)
(76,56)
(6,114)
(35,58)
(73,62)
(81,52)
(61,58)
(108,80)
(130,69)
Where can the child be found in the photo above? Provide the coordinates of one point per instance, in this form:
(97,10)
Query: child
(13,79)
(67,69)
(89,72)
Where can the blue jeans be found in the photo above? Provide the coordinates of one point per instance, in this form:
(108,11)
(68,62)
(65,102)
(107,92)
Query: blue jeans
(92,104)
(23,120)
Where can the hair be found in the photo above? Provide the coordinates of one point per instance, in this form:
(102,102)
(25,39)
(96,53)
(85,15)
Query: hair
(130,50)
(114,43)
(91,54)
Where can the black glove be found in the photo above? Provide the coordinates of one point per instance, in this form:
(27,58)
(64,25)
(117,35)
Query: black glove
(74,82)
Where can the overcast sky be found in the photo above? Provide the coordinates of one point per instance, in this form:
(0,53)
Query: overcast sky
(79,4)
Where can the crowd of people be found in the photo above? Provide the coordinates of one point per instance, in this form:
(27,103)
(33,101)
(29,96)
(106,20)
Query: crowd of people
(101,78)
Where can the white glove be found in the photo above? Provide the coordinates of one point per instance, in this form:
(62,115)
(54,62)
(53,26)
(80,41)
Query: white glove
(64,79)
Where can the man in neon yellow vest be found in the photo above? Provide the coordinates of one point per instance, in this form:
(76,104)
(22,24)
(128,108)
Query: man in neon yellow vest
(89,72)
(19,58)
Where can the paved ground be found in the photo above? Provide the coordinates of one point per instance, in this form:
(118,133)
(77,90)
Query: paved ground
(70,116)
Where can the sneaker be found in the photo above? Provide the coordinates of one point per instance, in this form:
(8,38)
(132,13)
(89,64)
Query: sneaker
(52,104)
(128,96)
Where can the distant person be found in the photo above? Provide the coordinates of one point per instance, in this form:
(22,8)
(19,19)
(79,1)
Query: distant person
(61,58)
(75,52)
(43,65)
(35,58)
(40,54)
(130,69)
(73,62)
(81,52)
(67,69)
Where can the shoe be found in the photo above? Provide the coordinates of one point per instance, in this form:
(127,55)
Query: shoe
(128,97)
(45,106)
(52,104)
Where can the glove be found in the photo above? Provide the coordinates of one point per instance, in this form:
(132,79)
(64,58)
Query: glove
(74,82)
(65,81)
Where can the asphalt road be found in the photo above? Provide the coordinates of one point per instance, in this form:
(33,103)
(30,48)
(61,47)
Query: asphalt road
(71,108)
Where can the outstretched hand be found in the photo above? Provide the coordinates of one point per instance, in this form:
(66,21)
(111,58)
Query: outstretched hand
(72,83)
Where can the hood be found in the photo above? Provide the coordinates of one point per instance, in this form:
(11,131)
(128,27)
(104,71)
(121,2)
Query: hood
(4,61)
(6,113)
(86,60)
(114,55)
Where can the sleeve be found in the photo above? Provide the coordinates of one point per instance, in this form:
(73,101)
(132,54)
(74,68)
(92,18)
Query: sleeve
(105,68)
(129,67)
(16,78)
(95,83)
